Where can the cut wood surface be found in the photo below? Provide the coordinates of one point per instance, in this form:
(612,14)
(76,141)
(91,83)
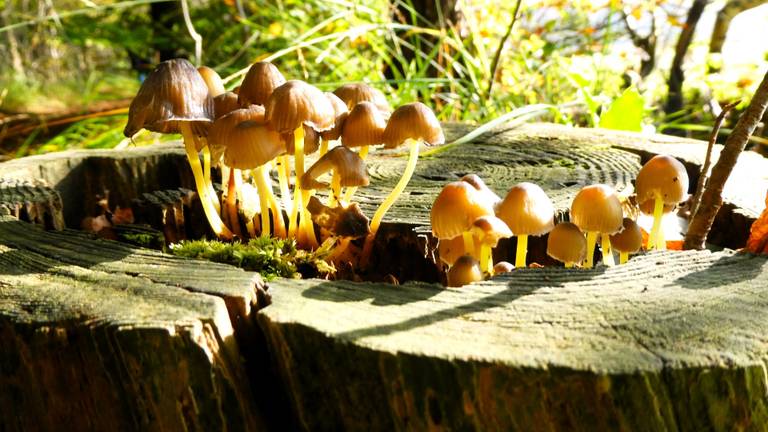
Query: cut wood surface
(31,202)
(137,339)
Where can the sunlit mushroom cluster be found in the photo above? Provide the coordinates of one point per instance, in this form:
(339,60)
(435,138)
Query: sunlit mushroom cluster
(469,219)
(268,125)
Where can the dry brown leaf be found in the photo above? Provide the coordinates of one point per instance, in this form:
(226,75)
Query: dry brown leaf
(758,234)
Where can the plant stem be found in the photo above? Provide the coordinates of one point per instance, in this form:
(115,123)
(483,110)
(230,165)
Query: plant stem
(499,50)
(194,34)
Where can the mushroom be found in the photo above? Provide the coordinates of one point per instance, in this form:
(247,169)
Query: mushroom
(664,181)
(174,99)
(628,240)
(363,127)
(289,108)
(334,133)
(489,195)
(527,210)
(412,124)
(465,271)
(596,209)
(449,250)
(566,243)
(258,84)
(212,80)
(348,170)
(225,103)
(354,93)
(502,267)
(489,229)
(249,144)
(454,210)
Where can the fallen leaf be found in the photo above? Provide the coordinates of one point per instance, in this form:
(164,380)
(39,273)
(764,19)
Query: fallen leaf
(758,234)
(675,245)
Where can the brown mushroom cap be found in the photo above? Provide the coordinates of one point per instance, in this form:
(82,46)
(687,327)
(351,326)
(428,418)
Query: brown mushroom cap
(212,80)
(527,210)
(478,183)
(490,229)
(174,92)
(259,83)
(630,239)
(311,140)
(664,174)
(295,103)
(597,208)
(502,267)
(449,250)
(455,208)
(566,243)
(354,93)
(363,126)
(246,140)
(341,110)
(347,163)
(464,271)
(415,121)
(225,103)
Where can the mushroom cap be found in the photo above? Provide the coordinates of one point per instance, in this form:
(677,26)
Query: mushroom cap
(449,250)
(174,92)
(502,267)
(225,103)
(478,183)
(455,208)
(415,121)
(629,239)
(597,208)
(245,138)
(347,163)
(212,80)
(311,140)
(490,229)
(341,110)
(647,206)
(527,210)
(258,84)
(566,243)
(363,126)
(664,174)
(354,93)
(464,271)
(295,103)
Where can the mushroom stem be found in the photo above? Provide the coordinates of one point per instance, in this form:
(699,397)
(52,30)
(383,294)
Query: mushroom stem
(263,200)
(207,177)
(658,212)
(469,243)
(352,189)
(591,242)
(298,152)
(231,203)
(623,257)
(392,197)
(278,224)
(569,265)
(211,214)
(486,261)
(283,174)
(607,253)
(522,250)
(323,147)
(334,196)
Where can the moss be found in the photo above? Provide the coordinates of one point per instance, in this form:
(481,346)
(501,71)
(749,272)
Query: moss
(272,257)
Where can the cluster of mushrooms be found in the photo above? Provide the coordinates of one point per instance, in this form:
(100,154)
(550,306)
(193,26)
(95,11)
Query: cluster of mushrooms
(270,124)
(469,219)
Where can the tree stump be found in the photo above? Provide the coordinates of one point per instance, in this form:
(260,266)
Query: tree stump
(104,335)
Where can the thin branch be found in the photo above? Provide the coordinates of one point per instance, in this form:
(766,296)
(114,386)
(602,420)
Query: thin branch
(712,199)
(497,56)
(696,200)
(194,34)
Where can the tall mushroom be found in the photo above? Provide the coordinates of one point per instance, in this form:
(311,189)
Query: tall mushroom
(363,127)
(175,99)
(596,209)
(664,181)
(527,210)
(411,124)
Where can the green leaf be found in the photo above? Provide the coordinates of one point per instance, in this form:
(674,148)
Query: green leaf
(625,113)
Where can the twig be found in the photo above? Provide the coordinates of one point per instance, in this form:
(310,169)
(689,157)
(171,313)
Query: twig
(497,55)
(696,200)
(194,34)
(712,198)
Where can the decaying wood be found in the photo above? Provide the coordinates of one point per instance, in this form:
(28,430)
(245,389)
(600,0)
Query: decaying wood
(31,202)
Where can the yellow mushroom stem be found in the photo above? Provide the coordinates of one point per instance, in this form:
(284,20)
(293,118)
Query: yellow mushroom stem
(277,215)
(656,229)
(607,253)
(323,147)
(469,243)
(301,228)
(231,203)
(569,265)
(207,177)
(486,260)
(352,189)
(522,250)
(623,257)
(261,187)
(591,241)
(334,195)
(410,167)
(283,174)
(211,214)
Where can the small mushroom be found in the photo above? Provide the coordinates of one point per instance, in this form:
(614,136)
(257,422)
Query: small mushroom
(363,127)
(527,210)
(464,271)
(454,210)
(212,80)
(596,209)
(489,195)
(664,181)
(566,243)
(334,133)
(258,84)
(628,240)
(348,170)
(489,229)
(502,267)
(354,93)
(225,103)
